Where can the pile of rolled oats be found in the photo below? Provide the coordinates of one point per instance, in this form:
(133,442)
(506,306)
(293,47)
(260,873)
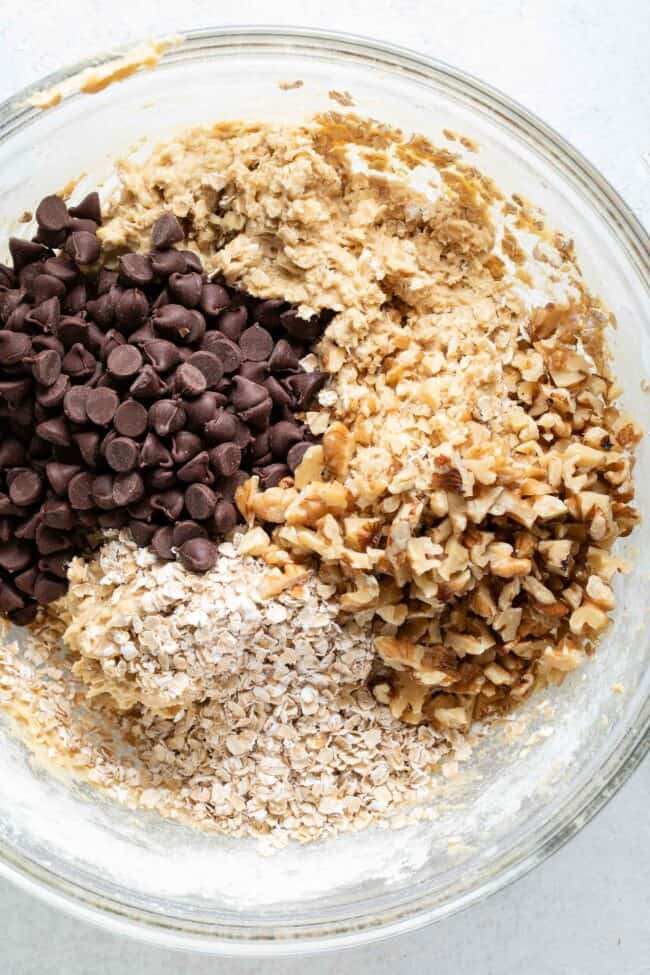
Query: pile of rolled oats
(446,548)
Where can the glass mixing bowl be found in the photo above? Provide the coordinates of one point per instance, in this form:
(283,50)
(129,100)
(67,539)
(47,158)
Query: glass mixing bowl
(519,798)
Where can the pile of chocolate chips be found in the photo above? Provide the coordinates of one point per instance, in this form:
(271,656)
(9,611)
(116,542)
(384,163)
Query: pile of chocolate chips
(141,396)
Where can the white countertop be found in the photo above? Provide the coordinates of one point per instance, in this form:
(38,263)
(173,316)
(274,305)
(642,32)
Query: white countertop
(584,68)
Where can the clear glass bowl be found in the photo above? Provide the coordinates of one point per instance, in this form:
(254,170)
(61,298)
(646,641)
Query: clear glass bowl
(519,799)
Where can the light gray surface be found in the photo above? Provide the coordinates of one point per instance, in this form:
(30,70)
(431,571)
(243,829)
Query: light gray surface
(584,68)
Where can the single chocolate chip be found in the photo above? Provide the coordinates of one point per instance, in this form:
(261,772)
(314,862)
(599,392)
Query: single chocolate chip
(281,397)
(296,454)
(7,507)
(71,329)
(128,489)
(83,247)
(49,540)
(12,453)
(130,418)
(214,299)
(52,214)
(58,514)
(186,288)
(141,510)
(193,261)
(257,372)
(56,564)
(185,530)
(233,322)
(15,556)
(101,405)
(137,269)
(161,543)
(14,347)
(200,501)
(25,581)
(168,503)
(198,554)
(227,486)
(87,442)
(80,491)
(24,485)
(28,528)
(79,223)
(166,230)
(14,391)
(306,329)
(243,435)
(24,252)
(185,445)
(124,361)
(225,350)
(78,362)
(162,355)
(271,475)
(259,447)
(10,600)
(196,470)
(225,517)
(74,404)
(55,431)
(225,459)
(75,300)
(305,385)
(267,313)
(256,343)
(165,263)
(131,309)
(189,381)
(246,394)
(173,321)
(222,428)
(153,453)
(122,454)
(59,475)
(46,367)
(257,417)
(19,319)
(46,286)
(283,358)
(51,396)
(161,479)
(102,491)
(48,588)
(87,209)
(166,417)
(62,268)
(41,343)
(142,533)
(148,384)
(282,436)
(203,409)
(116,518)
(208,364)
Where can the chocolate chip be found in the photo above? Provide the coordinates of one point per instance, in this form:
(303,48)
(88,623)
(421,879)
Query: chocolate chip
(26,580)
(83,247)
(143,533)
(160,479)
(55,431)
(52,214)
(257,372)
(209,364)
(124,361)
(10,600)
(197,469)
(58,514)
(214,299)
(148,385)
(14,347)
(296,454)
(128,488)
(306,329)
(24,485)
(193,261)
(225,459)
(49,540)
(71,329)
(246,394)
(189,381)
(12,453)
(256,343)
(162,355)
(141,510)
(51,396)
(173,321)
(130,418)
(200,501)
(225,517)
(227,486)
(88,442)
(131,308)
(168,503)
(166,231)
(282,436)
(101,405)
(61,268)
(122,454)
(46,367)
(59,475)
(137,269)
(233,322)
(305,385)
(222,428)
(186,288)
(165,263)
(78,362)
(281,397)
(283,358)
(224,349)
(185,530)
(78,223)
(198,554)
(203,409)
(166,417)
(267,313)
(48,588)
(56,564)
(116,518)
(102,491)
(153,453)
(87,209)
(46,286)
(271,475)
(80,491)
(15,556)
(24,252)
(185,445)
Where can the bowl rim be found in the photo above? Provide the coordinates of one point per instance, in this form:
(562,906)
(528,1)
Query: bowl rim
(576,811)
